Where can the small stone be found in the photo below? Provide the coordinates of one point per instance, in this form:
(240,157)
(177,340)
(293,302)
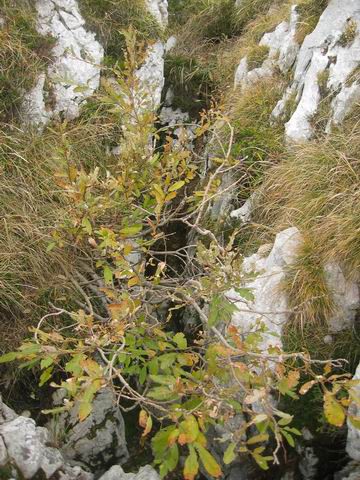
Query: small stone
(117,473)
(328,339)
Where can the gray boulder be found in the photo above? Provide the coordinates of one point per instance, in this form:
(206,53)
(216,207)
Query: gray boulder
(25,452)
(117,473)
(96,442)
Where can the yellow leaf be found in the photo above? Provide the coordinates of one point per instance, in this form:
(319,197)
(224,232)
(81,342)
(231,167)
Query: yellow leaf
(334,412)
(133,281)
(170,196)
(264,437)
(191,466)
(85,409)
(189,430)
(143,416)
(176,186)
(306,387)
(209,462)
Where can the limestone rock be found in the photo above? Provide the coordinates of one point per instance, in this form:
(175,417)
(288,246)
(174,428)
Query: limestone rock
(353,437)
(244,213)
(33,108)
(346,296)
(97,441)
(323,53)
(283,50)
(269,305)
(179,122)
(159,9)
(350,472)
(24,448)
(74,73)
(117,473)
(151,78)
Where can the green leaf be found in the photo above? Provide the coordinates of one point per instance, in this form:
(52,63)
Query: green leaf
(355,421)
(230,455)
(45,376)
(161,393)
(8,357)
(46,362)
(50,247)
(160,441)
(163,379)
(130,231)
(191,466)
(262,461)
(262,437)
(209,462)
(221,309)
(245,293)
(172,457)
(176,186)
(73,366)
(180,341)
(288,437)
(142,375)
(85,409)
(86,224)
(108,274)
(293,430)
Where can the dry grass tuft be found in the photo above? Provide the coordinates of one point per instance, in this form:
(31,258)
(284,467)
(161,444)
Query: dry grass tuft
(317,189)
(309,296)
(23,54)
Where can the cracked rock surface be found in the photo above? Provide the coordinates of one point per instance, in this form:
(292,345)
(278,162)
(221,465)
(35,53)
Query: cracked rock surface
(159,9)
(325,50)
(74,74)
(97,441)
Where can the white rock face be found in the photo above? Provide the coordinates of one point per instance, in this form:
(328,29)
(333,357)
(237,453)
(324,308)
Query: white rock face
(151,78)
(283,50)
(159,9)
(322,51)
(353,437)
(270,304)
(75,72)
(25,446)
(100,438)
(343,103)
(244,213)
(346,296)
(117,473)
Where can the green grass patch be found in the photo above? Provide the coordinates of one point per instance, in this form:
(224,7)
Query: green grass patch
(190,81)
(257,143)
